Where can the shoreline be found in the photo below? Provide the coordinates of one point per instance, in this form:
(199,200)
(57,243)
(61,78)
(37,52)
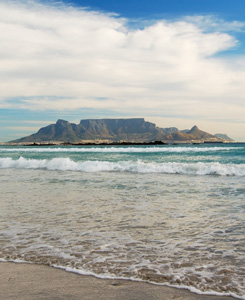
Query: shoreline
(153,143)
(122,143)
(25,281)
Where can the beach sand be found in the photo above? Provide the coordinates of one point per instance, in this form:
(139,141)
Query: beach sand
(19,281)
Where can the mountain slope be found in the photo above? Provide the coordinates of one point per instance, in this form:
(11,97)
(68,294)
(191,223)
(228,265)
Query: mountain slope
(223,137)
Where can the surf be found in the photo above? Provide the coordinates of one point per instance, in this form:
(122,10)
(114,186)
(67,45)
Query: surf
(139,166)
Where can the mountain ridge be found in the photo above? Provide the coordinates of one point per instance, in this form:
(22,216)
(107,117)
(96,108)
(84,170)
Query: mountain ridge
(132,130)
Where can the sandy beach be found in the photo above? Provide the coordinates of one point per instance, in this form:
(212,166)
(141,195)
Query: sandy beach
(28,282)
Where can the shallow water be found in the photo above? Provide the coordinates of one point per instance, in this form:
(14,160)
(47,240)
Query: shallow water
(169,215)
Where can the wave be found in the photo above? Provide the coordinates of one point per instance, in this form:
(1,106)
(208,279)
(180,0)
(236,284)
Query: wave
(66,164)
(116,149)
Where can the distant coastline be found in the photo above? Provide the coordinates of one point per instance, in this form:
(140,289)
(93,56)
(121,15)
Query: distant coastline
(53,144)
(134,131)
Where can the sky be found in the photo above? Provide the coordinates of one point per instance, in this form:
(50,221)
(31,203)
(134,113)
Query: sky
(177,63)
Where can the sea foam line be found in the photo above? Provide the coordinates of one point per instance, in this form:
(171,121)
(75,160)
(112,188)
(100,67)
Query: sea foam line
(110,149)
(66,164)
(84,272)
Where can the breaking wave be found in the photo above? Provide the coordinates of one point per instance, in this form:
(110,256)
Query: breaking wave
(66,164)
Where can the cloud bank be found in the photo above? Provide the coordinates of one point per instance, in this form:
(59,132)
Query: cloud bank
(57,57)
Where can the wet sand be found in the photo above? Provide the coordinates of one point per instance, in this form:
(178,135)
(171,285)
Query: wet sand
(39,282)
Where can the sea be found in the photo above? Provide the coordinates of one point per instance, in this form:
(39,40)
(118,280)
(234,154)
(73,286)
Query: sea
(165,214)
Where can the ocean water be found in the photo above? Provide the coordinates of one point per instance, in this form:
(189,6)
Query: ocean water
(171,214)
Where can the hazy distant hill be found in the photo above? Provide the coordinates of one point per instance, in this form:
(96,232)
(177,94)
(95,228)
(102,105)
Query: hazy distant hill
(114,130)
(223,136)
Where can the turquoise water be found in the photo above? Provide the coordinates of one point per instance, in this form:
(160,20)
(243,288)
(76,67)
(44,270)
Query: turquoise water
(224,159)
(165,214)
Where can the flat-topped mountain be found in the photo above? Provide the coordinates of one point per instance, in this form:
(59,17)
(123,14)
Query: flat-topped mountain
(133,130)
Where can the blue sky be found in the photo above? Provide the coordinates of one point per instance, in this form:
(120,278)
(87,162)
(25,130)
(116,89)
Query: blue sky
(231,10)
(177,63)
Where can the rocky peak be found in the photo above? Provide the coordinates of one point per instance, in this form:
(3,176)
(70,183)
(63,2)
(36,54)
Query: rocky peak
(62,122)
(194,129)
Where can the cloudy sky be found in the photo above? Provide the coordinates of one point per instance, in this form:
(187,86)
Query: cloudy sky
(174,62)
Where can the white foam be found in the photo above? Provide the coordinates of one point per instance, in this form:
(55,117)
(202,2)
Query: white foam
(66,164)
(116,149)
(85,272)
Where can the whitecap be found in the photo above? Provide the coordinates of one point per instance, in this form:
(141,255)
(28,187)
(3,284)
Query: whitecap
(66,164)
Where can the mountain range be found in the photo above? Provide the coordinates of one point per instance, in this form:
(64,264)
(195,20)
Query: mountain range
(134,130)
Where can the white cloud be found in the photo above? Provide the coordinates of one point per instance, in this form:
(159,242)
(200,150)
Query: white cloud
(213,23)
(78,56)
